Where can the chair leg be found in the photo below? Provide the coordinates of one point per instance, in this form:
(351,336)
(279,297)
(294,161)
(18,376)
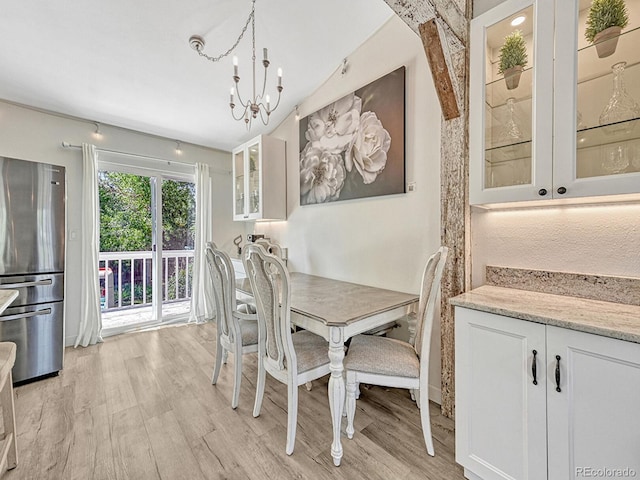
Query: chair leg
(415,396)
(426,419)
(238,378)
(309,386)
(216,367)
(292,415)
(225,356)
(357,390)
(259,386)
(351,402)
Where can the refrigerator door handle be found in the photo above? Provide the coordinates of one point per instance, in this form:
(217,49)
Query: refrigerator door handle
(7,286)
(18,316)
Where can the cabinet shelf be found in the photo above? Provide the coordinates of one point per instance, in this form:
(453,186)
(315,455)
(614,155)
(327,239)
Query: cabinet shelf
(590,67)
(612,133)
(508,153)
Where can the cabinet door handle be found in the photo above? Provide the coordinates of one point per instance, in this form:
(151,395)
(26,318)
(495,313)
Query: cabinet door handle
(534,368)
(558,389)
(562,190)
(542,192)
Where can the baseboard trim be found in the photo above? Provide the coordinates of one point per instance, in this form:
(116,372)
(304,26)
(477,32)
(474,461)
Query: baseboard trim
(435,394)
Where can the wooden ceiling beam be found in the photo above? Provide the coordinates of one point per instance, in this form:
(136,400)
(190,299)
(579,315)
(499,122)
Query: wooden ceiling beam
(439,69)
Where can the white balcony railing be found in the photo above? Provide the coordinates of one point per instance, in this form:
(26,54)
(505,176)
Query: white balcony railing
(125,278)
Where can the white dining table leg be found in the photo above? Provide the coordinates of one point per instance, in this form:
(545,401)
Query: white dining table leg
(336,389)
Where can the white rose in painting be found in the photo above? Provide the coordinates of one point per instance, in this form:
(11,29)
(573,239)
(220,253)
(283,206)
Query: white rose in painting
(369,148)
(322,175)
(332,127)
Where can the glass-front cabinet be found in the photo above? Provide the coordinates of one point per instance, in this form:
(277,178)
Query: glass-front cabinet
(259,176)
(551,116)
(596,103)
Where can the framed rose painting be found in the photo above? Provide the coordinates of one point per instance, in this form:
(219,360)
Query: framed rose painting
(354,147)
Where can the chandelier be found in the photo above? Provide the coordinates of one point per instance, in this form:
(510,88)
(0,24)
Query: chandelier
(256,105)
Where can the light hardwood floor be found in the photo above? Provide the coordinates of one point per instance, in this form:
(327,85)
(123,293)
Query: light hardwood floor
(141,406)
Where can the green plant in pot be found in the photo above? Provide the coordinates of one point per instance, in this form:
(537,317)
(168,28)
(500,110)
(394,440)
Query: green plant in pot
(606,20)
(513,59)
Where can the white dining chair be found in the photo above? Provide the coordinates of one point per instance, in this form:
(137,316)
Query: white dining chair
(290,358)
(393,363)
(275,249)
(237,330)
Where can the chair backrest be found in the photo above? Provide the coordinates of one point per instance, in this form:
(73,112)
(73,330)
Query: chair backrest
(269,281)
(271,247)
(223,283)
(428,297)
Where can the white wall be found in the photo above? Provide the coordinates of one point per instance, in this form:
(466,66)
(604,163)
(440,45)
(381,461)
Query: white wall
(382,241)
(32,135)
(596,239)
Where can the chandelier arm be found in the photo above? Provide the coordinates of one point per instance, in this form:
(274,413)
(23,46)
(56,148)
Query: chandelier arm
(233,47)
(278,102)
(244,104)
(244,110)
(262,117)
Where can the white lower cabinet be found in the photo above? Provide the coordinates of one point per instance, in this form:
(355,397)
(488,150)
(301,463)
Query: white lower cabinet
(569,418)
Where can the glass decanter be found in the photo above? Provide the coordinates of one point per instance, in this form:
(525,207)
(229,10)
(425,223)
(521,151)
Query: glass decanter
(616,159)
(621,106)
(511,132)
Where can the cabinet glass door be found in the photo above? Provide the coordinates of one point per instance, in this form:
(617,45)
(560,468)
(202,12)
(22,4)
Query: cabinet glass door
(239,187)
(600,121)
(508,100)
(607,116)
(254,193)
(510,127)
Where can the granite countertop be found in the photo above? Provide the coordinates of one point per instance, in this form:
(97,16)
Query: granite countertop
(615,320)
(6,297)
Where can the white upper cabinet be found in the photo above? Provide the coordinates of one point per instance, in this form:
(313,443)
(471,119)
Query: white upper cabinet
(511,120)
(569,127)
(259,176)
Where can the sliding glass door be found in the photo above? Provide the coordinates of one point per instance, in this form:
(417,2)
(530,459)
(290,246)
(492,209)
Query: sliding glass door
(147,232)
(178,241)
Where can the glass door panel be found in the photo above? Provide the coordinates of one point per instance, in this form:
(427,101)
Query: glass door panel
(254,178)
(126,261)
(178,241)
(608,96)
(508,102)
(239,187)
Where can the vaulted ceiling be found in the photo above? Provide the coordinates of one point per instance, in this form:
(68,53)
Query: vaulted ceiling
(128,63)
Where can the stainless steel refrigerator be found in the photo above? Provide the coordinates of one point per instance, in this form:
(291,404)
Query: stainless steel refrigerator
(32,238)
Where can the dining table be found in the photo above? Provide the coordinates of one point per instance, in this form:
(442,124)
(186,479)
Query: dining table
(337,310)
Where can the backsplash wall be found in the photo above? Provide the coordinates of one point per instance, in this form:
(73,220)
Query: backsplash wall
(589,239)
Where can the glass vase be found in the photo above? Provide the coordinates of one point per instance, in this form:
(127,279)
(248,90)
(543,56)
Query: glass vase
(511,132)
(621,106)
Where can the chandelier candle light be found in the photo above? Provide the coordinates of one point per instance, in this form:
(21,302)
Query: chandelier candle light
(257,104)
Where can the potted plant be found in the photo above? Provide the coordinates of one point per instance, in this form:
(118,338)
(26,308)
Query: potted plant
(606,20)
(513,59)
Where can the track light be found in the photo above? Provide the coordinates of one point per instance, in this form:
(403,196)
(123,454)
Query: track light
(97,134)
(178,147)
(345,66)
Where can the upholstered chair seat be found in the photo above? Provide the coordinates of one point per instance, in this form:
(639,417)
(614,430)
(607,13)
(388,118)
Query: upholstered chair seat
(248,332)
(382,356)
(311,350)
